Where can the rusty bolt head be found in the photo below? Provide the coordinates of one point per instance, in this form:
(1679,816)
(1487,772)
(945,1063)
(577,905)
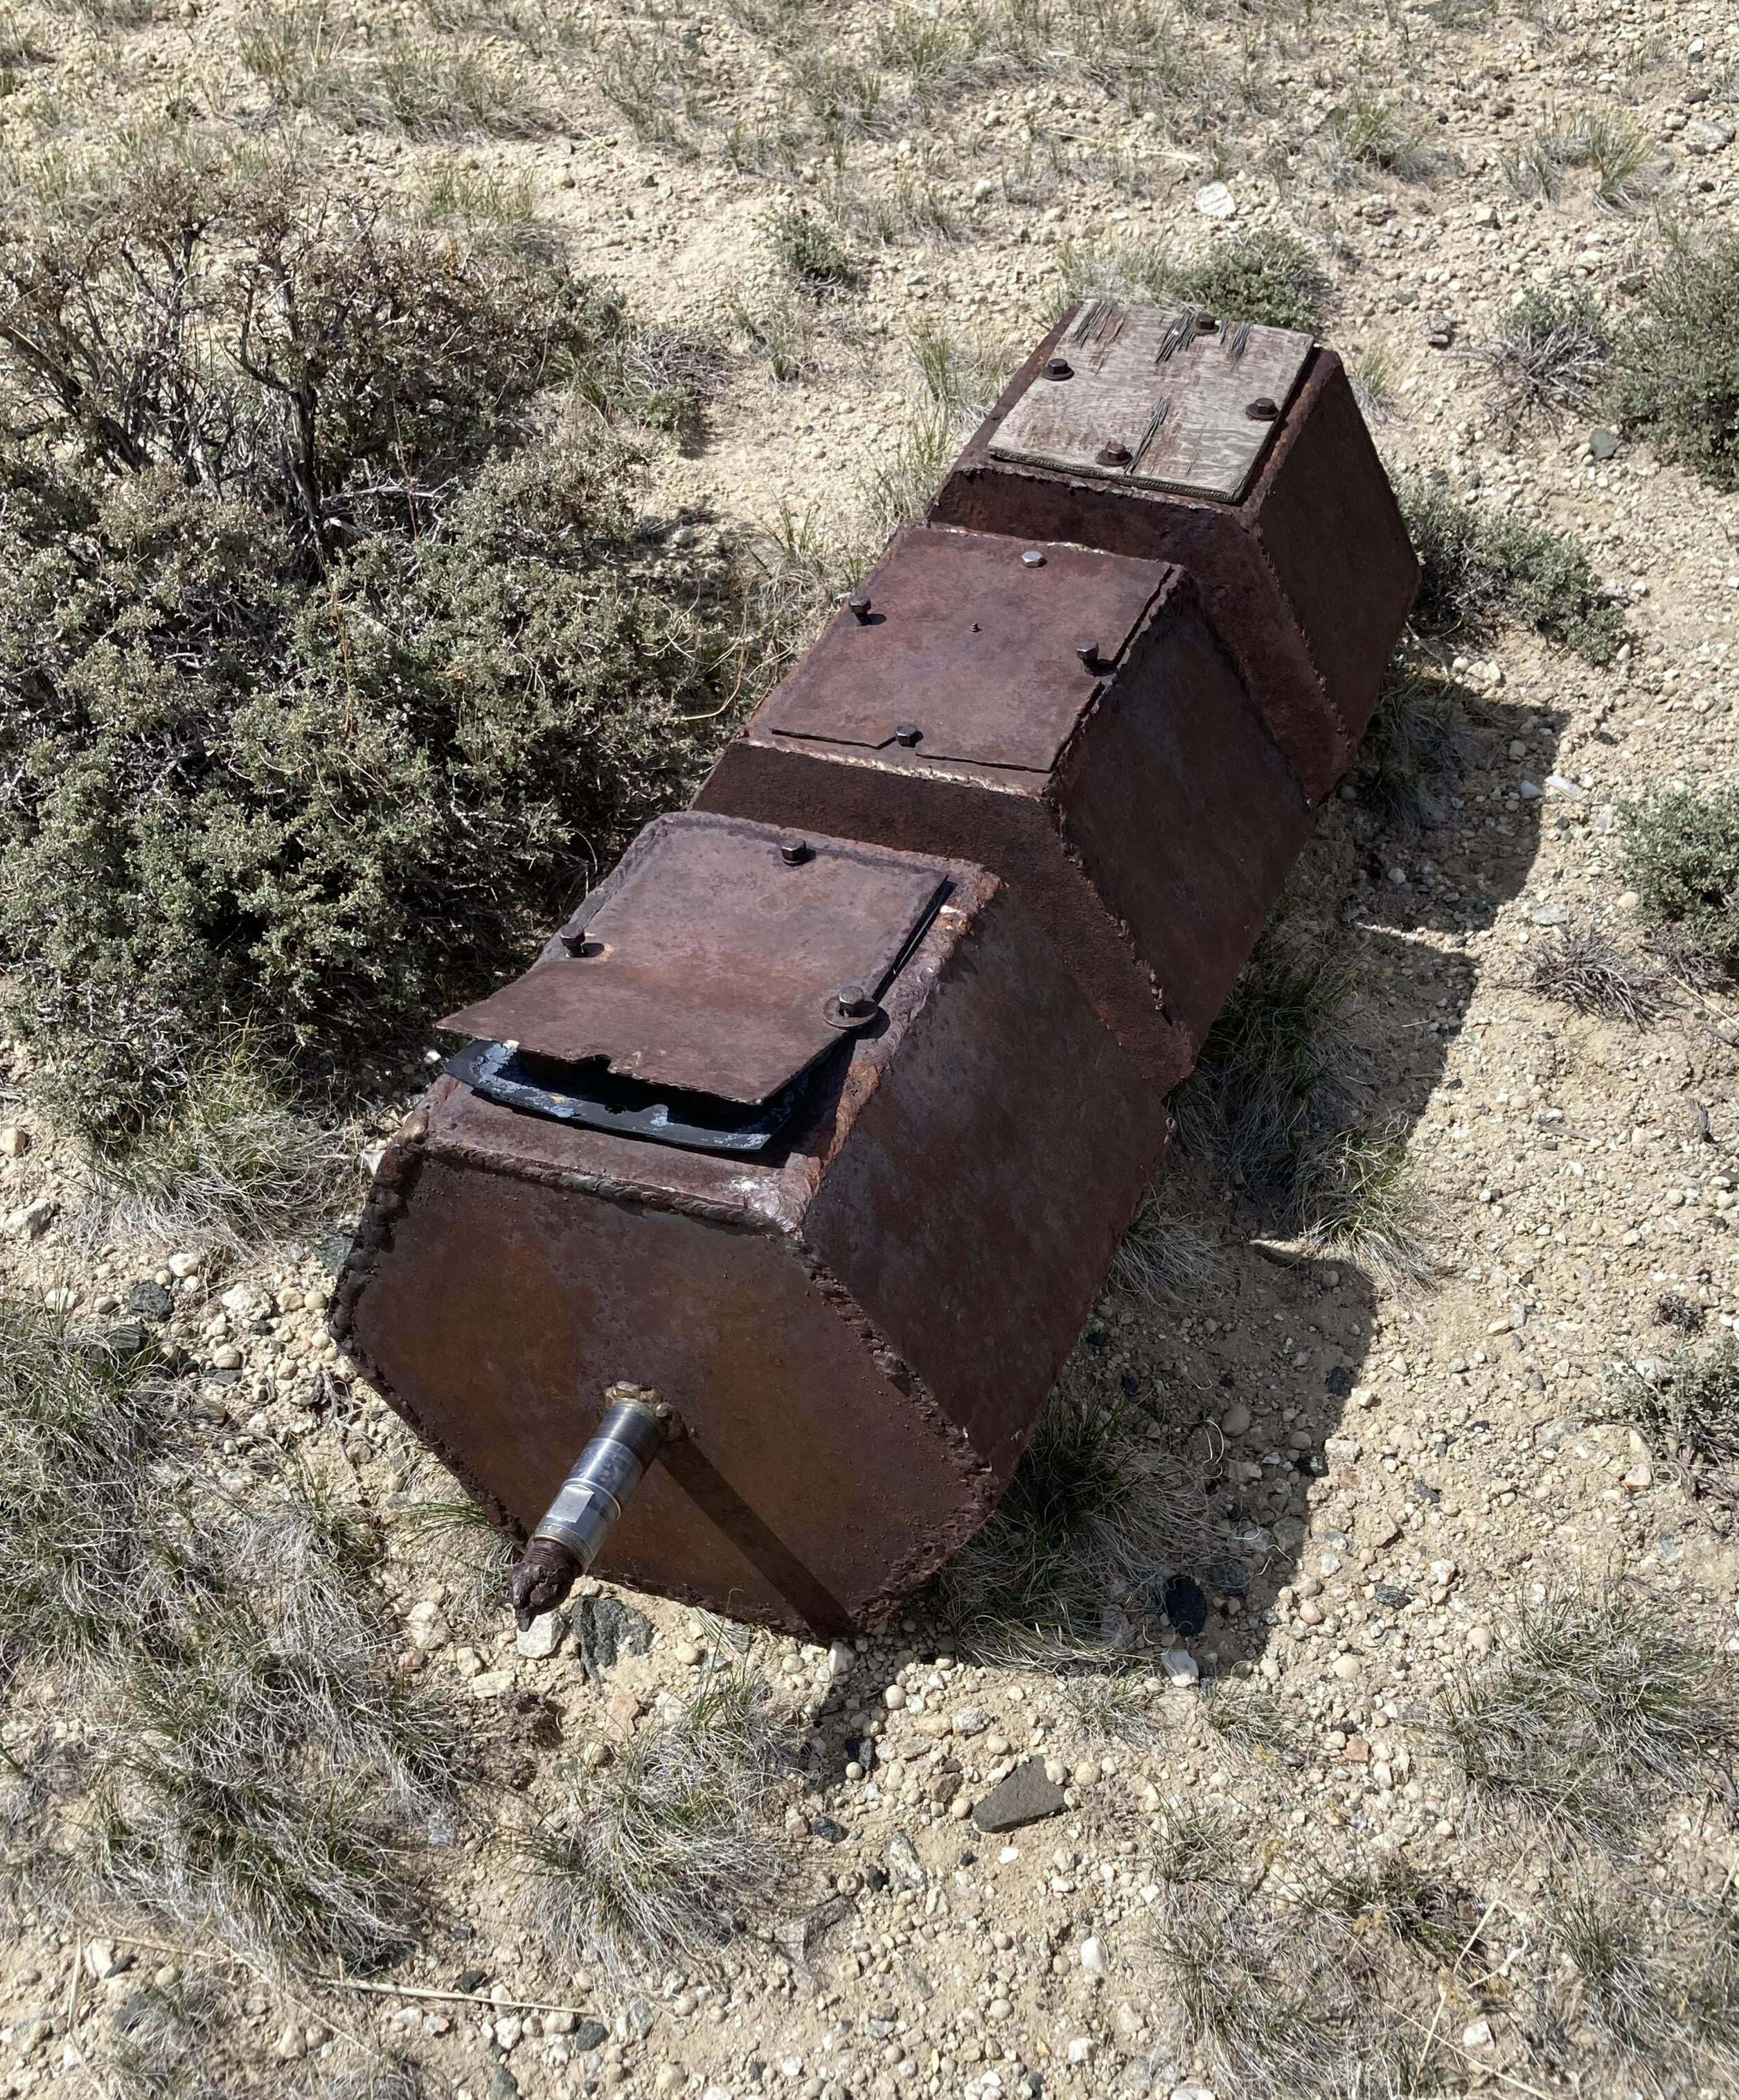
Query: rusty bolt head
(1088,653)
(1114,454)
(794,851)
(1205,324)
(1032,559)
(906,732)
(1059,368)
(854,1001)
(576,944)
(1263,409)
(860,605)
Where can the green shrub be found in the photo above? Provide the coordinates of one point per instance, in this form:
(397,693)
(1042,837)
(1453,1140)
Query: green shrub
(1680,853)
(1693,1399)
(1477,568)
(810,251)
(1550,351)
(329,660)
(1676,376)
(1268,275)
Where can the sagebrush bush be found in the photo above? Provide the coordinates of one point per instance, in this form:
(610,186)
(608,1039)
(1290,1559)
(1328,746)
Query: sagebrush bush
(1680,853)
(1477,568)
(331,662)
(1675,378)
(1549,351)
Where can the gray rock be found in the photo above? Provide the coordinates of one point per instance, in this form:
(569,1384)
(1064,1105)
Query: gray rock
(905,1868)
(604,1631)
(503,2085)
(1439,330)
(150,1300)
(593,2034)
(1025,1796)
(543,1637)
(1603,444)
(1551,914)
(637,2018)
(1706,137)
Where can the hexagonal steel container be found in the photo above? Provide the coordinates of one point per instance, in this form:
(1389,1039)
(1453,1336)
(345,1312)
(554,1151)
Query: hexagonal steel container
(1236,451)
(820,1141)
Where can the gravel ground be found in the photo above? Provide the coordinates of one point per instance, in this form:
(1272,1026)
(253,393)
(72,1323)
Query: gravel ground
(1393,1473)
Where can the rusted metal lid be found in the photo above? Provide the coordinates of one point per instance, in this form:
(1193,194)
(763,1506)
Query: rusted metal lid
(714,959)
(967,645)
(1159,397)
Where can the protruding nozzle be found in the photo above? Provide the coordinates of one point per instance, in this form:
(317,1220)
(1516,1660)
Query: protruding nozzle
(589,1501)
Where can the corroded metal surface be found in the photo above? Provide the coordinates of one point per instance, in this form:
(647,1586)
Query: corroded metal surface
(989,649)
(708,960)
(1155,398)
(1306,577)
(858,1331)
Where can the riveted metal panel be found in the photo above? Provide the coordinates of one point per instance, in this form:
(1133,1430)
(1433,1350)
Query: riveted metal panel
(968,647)
(708,961)
(1156,397)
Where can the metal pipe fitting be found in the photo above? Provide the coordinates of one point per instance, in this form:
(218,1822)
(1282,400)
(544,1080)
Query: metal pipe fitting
(590,1502)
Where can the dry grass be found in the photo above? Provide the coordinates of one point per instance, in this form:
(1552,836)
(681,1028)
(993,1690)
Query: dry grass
(1582,966)
(663,1847)
(1550,354)
(1093,1517)
(1594,1707)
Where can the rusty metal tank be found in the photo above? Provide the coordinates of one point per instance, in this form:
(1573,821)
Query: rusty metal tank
(1068,718)
(819,1140)
(1236,451)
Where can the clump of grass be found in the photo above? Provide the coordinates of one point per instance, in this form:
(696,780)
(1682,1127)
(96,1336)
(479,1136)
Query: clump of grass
(903,479)
(1595,1706)
(663,1847)
(1550,352)
(960,380)
(1163,1261)
(80,1430)
(1371,373)
(1677,366)
(811,253)
(1268,2014)
(1410,750)
(163,2037)
(783,332)
(269,1763)
(1194,1846)
(1245,1718)
(1680,853)
(1582,967)
(1693,1399)
(1477,568)
(1269,275)
(235,1162)
(1110,1708)
(1435,1918)
(1671,1310)
(1371,131)
(1622,155)
(1090,1518)
(1275,1102)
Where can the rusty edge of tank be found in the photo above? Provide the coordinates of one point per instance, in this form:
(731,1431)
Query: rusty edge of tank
(394,1181)
(958,502)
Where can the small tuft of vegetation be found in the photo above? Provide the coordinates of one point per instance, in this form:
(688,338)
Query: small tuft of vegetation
(1269,276)
(1163,1260)
(663,1847)
(809,250)
(1111,1709)
(1278,1102)
(235,1161)
(1370,131)
(80,1430)
(1245,1718)
(1677,366)
(1622,156)
(1477,568)
(1090,1520)
(163,2039)
(1437,1919)
(1411,751)
(1680,853)
(1670,2001)
(1693,1399)
(269,1763)
(1595,1706)
(1582,967)
(1550,354)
